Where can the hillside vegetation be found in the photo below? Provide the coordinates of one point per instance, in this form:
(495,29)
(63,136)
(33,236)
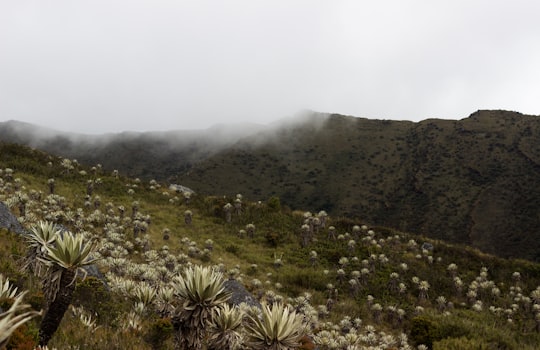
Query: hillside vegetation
(472,181)
(352,285)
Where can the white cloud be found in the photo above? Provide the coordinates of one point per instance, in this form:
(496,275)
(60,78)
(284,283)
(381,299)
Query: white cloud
(153,65)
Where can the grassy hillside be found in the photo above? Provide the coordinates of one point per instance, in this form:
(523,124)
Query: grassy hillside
(364,285)
(470,181)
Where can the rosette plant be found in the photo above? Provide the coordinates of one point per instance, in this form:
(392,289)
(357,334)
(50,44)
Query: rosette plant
(277,328)
(58,258)
(41,235)
(225,329)
(200,291)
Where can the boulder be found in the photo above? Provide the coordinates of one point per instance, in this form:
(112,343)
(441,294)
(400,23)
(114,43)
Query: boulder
(9,221)
(240,294)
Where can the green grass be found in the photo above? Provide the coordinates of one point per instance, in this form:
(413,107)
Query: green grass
(296,276)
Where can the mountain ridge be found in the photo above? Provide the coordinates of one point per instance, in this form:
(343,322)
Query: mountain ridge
(472,180)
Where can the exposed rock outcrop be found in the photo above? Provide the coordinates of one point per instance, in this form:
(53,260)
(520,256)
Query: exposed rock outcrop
(240,294)
(9,221)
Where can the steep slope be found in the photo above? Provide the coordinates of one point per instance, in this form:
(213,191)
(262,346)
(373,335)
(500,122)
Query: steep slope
(473,180)
(479,180)
(322,164)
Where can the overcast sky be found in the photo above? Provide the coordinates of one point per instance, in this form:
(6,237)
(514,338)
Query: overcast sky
(96,66)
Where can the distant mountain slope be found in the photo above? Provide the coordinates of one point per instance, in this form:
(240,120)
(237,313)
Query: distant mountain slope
(473,181)
(148,155)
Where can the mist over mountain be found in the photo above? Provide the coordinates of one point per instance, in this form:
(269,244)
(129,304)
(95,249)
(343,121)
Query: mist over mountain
(148,155)
(472,181)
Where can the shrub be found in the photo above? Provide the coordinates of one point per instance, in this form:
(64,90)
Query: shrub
(460,343)
(22,339)
(273,239)
(274,204)
(36,300)
(306,343)
(304,279)
(233,249)
(424,331)
(93,295)
(160,330)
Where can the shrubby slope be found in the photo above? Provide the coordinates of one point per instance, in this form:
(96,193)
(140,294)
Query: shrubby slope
(470,181)
(354,284)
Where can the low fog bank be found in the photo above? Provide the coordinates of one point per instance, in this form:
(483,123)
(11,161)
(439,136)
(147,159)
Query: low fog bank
(174,151)
(309,118)
(211,139)
(302,121)
(44,138)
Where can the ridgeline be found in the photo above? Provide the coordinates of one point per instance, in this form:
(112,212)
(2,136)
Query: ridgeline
(472,181)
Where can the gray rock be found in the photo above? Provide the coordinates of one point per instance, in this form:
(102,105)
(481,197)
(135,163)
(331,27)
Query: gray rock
(180,188)
(240,294)
(92,270)
(427,246)
(9,221)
